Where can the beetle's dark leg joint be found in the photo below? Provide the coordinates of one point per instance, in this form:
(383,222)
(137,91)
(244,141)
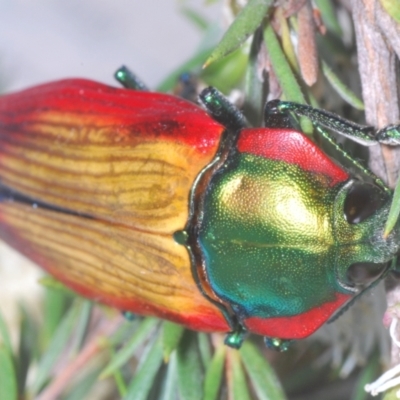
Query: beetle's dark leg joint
(235,339)
(274,117)
(222,110)
(129,80)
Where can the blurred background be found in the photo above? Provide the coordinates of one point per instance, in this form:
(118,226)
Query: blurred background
(44,40)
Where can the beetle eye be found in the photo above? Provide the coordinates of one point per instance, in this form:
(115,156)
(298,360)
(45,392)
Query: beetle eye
(362,200)
(364,273)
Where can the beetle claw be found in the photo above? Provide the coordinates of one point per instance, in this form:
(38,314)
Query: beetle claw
(277,344)
(235,339)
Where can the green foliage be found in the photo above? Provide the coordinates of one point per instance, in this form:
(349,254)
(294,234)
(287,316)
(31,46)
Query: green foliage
(8,378)
(55,348)
(214,373)
(248,20)
(5,336)
(291,89)
(190,373)
(143,381)
(341,88)
(172,334)
(239,387)
(394,210)
(266,383)
(392,7)
(143,331)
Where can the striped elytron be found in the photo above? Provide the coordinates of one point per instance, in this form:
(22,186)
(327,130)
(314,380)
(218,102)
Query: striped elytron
(147,203)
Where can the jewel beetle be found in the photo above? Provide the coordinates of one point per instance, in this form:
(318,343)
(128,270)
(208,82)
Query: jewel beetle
(150,204)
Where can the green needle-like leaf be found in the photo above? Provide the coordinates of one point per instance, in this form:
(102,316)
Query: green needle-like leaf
(55,304)
(189,368)
(240,390)
(4,335)
(124,333)
(8,378)
(392,7)
(143,381)
(205,348)
(254,88)
(119,382)
(280,64)
(172,334)
(50,282)
(290,87)
(394,210)
(234,66)
(170,388)
(287,44)
(28,342)
(266,383)
(213,377)
(248,20)
(344,92)
(83,321)
(142,333)
(56,346)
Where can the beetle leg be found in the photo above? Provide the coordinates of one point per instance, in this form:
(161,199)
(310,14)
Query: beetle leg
(363,134)
(222,110)
(129,80)
(235,339)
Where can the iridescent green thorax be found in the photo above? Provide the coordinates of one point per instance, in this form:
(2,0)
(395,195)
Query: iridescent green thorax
(261,237)
(275,240)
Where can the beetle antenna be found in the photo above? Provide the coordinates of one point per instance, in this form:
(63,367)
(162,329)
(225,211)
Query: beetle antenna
(222,110)
(129,80)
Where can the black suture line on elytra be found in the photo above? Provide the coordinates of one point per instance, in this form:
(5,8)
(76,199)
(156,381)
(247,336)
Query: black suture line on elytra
(8,195)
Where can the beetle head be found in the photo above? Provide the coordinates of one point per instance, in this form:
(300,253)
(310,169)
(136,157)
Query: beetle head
(363,251)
